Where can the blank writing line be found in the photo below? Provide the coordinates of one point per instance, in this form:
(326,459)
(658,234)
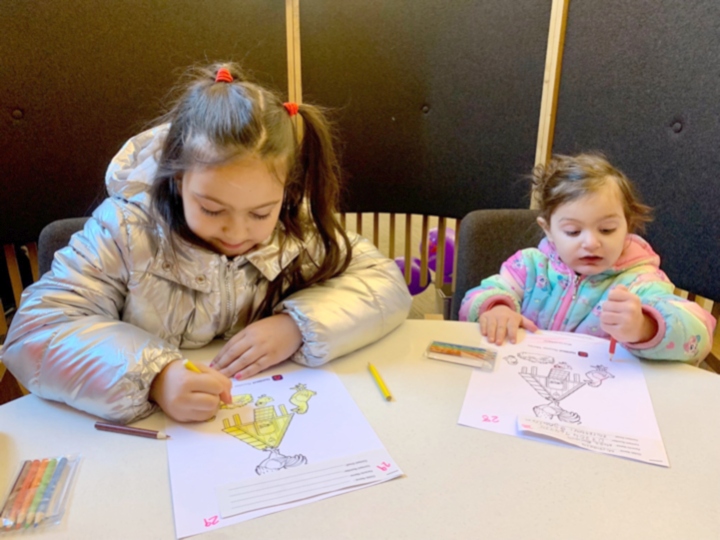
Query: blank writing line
(240,490)
(292,494)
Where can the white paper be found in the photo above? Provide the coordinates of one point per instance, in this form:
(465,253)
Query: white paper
(296,484)
(650,451)
(566,379)
(278,426)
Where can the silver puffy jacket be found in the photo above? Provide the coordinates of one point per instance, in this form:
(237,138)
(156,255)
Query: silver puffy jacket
(114,310)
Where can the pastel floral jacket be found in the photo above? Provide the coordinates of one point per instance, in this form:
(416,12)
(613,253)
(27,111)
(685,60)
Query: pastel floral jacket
(536,283)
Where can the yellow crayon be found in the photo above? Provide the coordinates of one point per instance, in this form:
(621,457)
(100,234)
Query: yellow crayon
(381,384)
(192,367)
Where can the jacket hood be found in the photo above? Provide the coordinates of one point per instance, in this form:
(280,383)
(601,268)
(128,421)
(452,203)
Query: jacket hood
(132,171)
(637,252)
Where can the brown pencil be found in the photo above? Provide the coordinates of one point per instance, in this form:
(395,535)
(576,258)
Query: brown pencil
(128,430)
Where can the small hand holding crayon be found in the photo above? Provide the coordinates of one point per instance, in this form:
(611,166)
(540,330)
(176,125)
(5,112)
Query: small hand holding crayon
(623,319)
(190,393)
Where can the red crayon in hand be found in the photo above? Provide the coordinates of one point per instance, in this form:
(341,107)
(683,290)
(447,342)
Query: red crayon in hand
(613,344)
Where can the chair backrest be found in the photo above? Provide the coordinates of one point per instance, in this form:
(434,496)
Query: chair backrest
(487,238)
(54,236)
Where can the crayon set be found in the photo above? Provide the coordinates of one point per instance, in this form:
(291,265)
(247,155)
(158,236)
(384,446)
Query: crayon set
(38,496)
(477,357)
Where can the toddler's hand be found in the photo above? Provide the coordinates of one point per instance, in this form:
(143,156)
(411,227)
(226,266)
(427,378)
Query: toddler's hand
(500,321)
(259,346)
(622,317)
(187,396)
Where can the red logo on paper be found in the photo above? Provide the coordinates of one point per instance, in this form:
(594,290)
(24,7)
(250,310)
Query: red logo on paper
(383,466)
(277,377)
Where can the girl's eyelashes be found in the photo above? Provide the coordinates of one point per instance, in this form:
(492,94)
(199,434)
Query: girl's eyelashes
(258,217)
(210,212)
(605,232)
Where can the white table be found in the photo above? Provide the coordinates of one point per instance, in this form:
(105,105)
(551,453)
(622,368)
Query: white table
(460,482)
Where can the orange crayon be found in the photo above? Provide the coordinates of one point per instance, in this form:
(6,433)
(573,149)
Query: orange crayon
(30,494)
(11,520)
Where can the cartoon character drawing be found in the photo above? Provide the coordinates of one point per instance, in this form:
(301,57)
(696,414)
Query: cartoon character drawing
(534,357)
(558,384)
(691,345)
(598,375)
(268,427)
(511,359)
(263,400)
(554,387)
(300,398)
(237,401)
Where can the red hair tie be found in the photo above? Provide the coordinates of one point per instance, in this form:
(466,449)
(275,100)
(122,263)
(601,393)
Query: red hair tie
(291,108)
(223,75)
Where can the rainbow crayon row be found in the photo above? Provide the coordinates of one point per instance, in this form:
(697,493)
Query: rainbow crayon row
(462,354)
(35,494)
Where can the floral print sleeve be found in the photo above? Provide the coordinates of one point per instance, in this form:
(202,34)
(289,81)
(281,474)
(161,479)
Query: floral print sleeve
(506,288)
(684,328)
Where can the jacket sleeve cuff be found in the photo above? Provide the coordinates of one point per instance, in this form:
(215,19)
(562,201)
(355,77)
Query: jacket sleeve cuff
(655,315)
(479,306)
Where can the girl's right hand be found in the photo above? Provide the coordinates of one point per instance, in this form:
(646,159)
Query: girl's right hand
(187,396)
(501,321)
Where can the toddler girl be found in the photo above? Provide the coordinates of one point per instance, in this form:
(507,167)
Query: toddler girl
(590,274)
(219,223)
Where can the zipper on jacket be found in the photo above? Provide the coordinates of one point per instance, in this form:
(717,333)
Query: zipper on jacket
(565,306)
(225,301)
(229,291)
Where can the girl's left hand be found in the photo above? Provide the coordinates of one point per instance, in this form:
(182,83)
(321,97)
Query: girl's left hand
(622,317)
(259,346)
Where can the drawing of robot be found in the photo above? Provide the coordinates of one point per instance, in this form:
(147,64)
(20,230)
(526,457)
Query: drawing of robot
(558,384)
(267,429)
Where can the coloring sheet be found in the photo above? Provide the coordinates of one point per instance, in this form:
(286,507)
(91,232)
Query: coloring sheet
(564,386)
(286,440)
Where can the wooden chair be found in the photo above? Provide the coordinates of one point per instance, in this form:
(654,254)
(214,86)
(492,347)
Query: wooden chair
(10,388)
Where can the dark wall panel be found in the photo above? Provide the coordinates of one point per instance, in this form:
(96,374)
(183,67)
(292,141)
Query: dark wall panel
(641,82)
(79,77)
(438,102)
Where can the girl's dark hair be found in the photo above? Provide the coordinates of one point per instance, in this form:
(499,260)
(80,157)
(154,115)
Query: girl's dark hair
(213,123)
(568,178)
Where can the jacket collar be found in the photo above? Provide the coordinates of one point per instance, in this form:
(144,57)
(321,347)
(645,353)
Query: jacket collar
(192,266)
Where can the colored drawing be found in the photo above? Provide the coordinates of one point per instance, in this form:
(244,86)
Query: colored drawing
(237,401)
(300,398)
(266,430)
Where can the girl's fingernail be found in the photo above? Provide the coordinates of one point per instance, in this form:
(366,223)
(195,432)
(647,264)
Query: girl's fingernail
(211,364)
(238,377)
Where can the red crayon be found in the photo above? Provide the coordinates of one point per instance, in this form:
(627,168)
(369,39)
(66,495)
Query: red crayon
(128,430)
(613,344)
